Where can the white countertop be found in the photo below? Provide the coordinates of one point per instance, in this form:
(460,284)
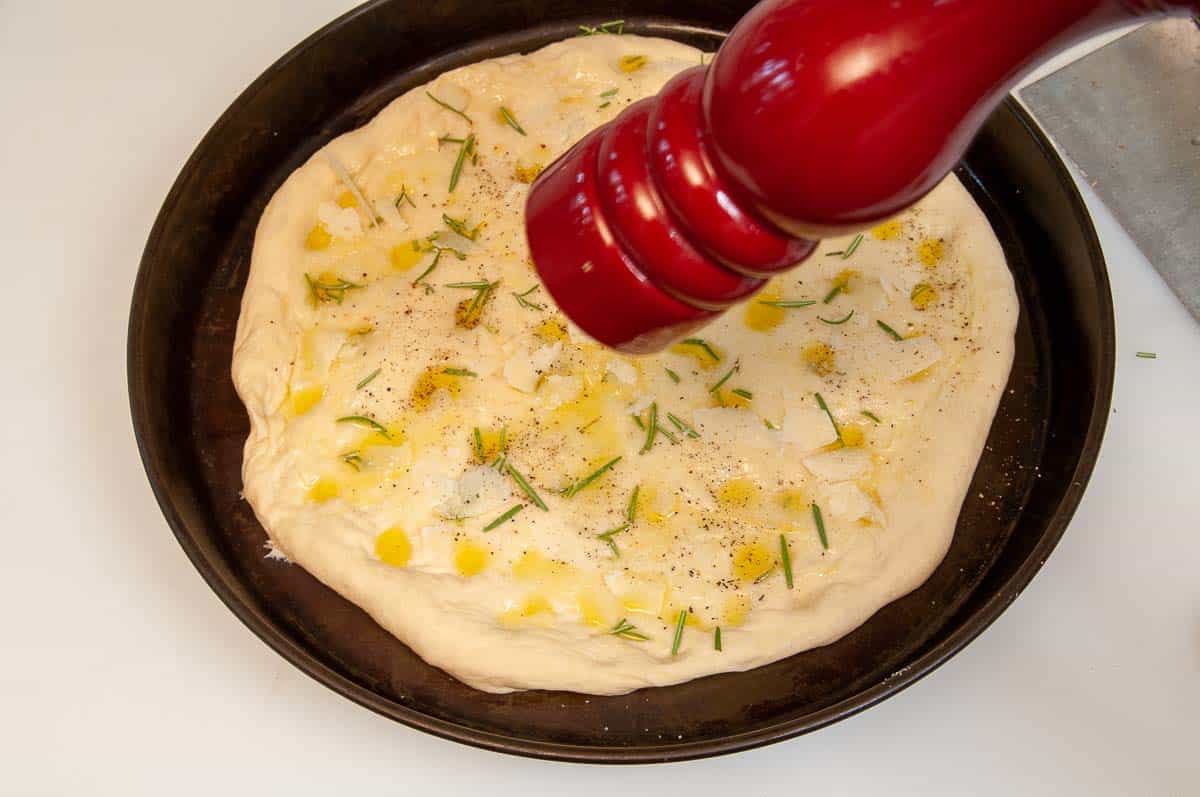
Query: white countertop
(122,673)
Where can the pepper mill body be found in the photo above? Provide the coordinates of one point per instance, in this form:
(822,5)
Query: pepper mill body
(815,118)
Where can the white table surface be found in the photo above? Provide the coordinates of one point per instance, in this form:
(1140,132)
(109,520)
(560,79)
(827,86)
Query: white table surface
(122,673)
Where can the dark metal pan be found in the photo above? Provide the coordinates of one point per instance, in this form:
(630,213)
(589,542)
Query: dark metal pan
(190,425)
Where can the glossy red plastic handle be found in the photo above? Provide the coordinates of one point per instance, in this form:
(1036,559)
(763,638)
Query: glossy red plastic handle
(817,117)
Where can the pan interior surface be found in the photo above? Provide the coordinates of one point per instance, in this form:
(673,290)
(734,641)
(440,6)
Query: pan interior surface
(191,426)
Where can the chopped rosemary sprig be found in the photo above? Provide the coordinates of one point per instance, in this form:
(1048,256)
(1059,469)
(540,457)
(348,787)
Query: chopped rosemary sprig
(651,428)
(724,379)
(459,372)
(477,441)
(631,507)
(833,292)
(362,420)
(746,394)
(483,289)
(849,250)
(674,376)
(511,120)
(894,334)
(786,557)
(821,403)
(717,638)
(679,631)
(842,320)
(608,538)
(626,631)
(789,303)
(467,147)
(524,302)
(353,459)
(575,488)
(507,516)
(616,27)
(430,246)
(1147,355)
(820,521)
(872,416)
(682,425)
(460,227)
(526,487)
(703,344)
(321,290)
(366,380)
(404,197)
(449,108)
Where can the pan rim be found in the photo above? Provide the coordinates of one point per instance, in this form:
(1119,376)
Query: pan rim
(956,639)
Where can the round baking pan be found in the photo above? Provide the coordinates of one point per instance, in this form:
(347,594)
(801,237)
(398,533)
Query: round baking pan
(190,425)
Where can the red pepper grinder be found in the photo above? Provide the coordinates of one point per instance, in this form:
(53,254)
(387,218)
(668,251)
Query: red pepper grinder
(816,118)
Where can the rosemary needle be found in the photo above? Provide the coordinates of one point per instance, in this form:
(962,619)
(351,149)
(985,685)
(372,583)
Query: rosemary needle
(703,344)
(679,631)
(526,487)
(625,630)
(507,516)
(820,521)
(449,107)
(786,556)
(362,420)
(717,639)
(872,416)
(788,303)
(842,320)
(511,120)
(821,403)
(1147,355)
(367,379)
(894,334)
(575,488)
(631,508)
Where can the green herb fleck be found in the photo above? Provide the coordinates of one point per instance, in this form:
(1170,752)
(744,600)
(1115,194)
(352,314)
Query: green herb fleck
(1147,355)
(746,394)
(511,120)
(651,428)
(703,344)
(789,303)
(460,227)
(366,380)
(405,197)
(626,631)
(682,425)
(674,376)
(575,488)
(608,538)
(524,302)
(477,440)
(872,416)
(322,290)
(631,507)
(894,334)
(842,320)
(526,487)
(362,420)
(717,638)
(786,557)
(679,631)
(821,403)
(467,148)
(459,372)
(450,108)
(353,459)
(615,27)
(507,516)
(820,521)
(724,379)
